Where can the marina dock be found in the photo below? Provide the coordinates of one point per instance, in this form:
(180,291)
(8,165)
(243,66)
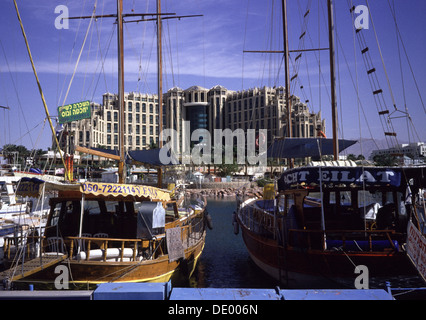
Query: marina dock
(165,292)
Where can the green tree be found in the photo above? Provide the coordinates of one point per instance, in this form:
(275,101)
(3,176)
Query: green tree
(384,160)
(152,145)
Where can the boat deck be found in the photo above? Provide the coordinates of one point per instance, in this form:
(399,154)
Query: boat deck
(30,267)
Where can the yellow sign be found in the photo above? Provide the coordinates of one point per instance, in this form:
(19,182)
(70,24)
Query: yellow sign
(112,189)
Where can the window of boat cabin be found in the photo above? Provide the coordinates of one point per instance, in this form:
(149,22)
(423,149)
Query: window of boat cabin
(65,219)
(370,202)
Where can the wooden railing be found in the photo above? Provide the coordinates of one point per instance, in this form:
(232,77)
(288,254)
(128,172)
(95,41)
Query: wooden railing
(27,242)
(190,234)
(104,244)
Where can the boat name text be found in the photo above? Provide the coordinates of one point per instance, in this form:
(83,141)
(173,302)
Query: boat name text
(341,176)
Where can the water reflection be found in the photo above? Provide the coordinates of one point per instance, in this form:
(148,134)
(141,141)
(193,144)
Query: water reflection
(225,262)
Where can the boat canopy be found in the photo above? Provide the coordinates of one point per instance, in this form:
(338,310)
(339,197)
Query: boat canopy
(396,177)
(148,158)
(305,147)
(33,187)
(153,157)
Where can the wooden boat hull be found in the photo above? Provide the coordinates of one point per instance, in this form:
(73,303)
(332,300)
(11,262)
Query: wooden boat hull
(311,268)
(88,274)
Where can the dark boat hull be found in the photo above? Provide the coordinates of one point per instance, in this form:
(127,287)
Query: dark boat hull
(317,268)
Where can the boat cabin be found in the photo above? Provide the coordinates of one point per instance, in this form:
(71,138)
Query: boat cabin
(345,202)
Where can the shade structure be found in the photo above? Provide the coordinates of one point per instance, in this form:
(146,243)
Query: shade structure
(305,147)
(159,157)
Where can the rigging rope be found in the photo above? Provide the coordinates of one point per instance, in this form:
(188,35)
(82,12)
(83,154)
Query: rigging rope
(81,51)
(39,85)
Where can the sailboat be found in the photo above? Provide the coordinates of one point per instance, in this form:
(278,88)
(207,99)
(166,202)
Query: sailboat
(322,223)
(110,232)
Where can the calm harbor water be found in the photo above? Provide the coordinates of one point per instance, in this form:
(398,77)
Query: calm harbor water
(225,262)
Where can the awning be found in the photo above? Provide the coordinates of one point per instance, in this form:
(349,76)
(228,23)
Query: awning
(305,147)
(124,190)
(149,158)
(154,157)
(33,187)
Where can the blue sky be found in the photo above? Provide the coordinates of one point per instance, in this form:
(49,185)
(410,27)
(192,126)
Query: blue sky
(207,51)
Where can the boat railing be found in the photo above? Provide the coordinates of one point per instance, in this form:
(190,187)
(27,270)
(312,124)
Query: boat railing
(15,244)
(105,249)
(346,240)
(258,220)
(98,248)
(85,248)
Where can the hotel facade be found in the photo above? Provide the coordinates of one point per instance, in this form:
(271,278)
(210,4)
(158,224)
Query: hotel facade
(215,108)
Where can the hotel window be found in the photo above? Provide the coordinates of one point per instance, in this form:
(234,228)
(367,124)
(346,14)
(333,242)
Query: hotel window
(115,139)
(109,116)
(138,109)
(138,140)
(115,128)
(108,127)
(151,108)
(130,117)
(129,106)
(143,129)
(143,107)
(143,118)
(116,116)
(109,139)
(138,129)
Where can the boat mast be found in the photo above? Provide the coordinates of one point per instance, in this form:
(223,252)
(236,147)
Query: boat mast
(333,79)
(160,70)
(160,86)
(121,173)
(287,75)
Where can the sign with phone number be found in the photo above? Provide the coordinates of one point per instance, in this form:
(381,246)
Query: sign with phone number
(28,189)
(111,189)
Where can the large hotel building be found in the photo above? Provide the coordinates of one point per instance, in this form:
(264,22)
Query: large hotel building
(215,108)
